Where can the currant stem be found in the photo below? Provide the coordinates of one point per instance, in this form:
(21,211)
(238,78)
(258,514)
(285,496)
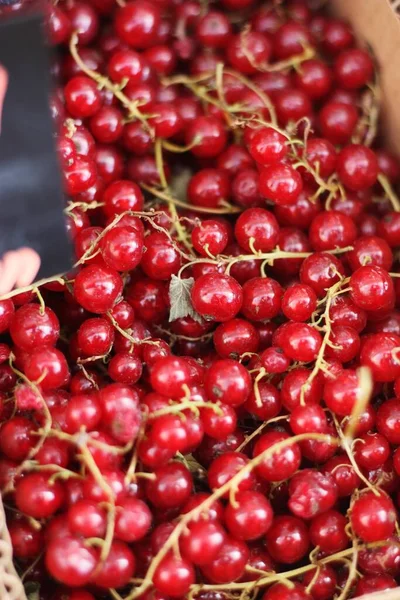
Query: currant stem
(132,107)
(218,493)
(391,194)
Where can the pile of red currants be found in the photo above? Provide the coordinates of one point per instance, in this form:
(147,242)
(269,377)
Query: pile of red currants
(208,406)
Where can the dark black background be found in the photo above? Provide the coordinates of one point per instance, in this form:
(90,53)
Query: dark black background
(31,199)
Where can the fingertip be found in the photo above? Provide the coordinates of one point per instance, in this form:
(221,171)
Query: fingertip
(31,266)
(9,272)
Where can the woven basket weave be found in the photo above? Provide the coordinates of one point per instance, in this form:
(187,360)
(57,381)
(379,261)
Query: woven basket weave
(11,587)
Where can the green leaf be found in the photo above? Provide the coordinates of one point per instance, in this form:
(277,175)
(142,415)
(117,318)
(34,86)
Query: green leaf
(181,303)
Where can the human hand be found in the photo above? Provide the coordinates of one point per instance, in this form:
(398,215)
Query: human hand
(17,267)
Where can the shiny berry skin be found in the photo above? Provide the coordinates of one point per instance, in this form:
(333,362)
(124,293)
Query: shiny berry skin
(250,518)
(261,299)
(160,259)
(388,420)
(97,288)
(83,410)
(280,183)
(292,105)
(70,561)
(308,418)
(225,467)
(208,188)
(209,134)
(230,564)
(389,228)
(217,297)
(210,237)
(353,68)
(31,328)
(328,531)
(87,519)
(377,560)
(121,196)
(343,473)
(117,569)
(107,125)
(300,341)
(6,313)
(122,248)
(299,302)
(372,451)
(252,43)
(49,366)
(370,250)
(95,337)
(301,213)
(82,96)
(274,360)
(126,65)
(120,411)
(245,190)
(341,393)
(373,517)
(221,425)
(27,542)
(79,176)
(227,381)
(133,520)
(280,591)
(314,78)
(171,487)
(125,368)
(258,229)
(378,352)
(374,583)
(137,22)
(170,432)
(16,439)
(291,388)
(330,230)
(321,155)
(235,337)
(148,298)
(166,121)
(357,167)
(105,458)
(345,343)
(213,29)
(168,375)
(173,576)
(280,464)
(323,584)
(372,288)
(268,146)
(287,539)
(320,271)
(115,479)
(202,542)
(37,497)
(337,121)
(268,404)
(311,493)
(290,39)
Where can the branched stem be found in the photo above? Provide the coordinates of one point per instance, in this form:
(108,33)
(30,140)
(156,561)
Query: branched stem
(218,493)
(104,82)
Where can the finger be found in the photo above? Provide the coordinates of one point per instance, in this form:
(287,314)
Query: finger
(30,266)
(3,88)
(11,264)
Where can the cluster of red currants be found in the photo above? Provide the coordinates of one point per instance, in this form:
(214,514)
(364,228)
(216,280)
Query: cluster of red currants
(208,405)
